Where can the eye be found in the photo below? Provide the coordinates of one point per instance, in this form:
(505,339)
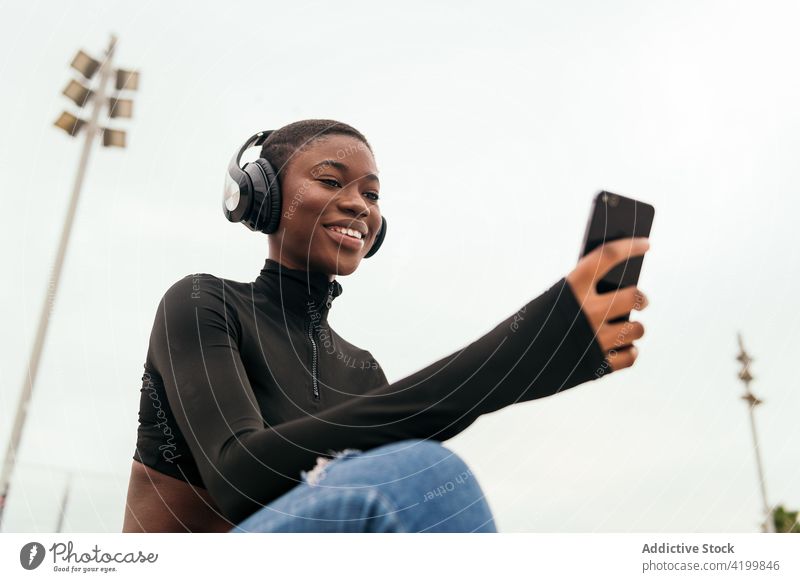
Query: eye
(335,182)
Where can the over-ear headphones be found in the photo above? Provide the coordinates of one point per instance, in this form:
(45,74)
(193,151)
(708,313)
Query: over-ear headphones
(253,196)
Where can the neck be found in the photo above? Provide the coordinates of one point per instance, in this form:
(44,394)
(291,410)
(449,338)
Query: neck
(295,288)
(288,263)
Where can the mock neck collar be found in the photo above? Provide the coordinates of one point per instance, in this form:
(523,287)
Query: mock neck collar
(297,290)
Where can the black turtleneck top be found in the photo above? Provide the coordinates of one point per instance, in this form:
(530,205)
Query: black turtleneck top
(246,384)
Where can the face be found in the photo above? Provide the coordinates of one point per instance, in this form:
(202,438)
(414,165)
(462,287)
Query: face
(330,185)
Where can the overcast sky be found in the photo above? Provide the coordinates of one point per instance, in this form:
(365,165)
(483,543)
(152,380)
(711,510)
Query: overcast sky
(493,125)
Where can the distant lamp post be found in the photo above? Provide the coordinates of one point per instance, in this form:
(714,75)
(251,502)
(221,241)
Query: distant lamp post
(80,95)
(99,73)
(746,377)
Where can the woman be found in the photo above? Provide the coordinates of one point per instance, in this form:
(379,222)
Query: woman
(255,415)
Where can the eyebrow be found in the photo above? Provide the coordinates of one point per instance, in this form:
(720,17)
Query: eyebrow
(342,167)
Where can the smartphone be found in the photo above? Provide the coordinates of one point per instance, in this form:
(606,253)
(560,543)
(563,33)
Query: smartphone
(614,217)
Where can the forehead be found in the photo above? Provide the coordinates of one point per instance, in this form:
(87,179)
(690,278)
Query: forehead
(343,148)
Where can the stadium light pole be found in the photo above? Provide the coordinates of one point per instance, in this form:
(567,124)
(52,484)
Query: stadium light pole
(746,377)
(81,95)
(62,510)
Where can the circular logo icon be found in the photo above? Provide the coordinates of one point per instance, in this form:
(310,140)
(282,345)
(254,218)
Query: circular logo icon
(31,555)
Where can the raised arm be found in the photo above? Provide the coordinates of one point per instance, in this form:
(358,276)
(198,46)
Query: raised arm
(546,346)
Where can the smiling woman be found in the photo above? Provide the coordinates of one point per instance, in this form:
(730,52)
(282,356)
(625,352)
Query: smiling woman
(277,423)
(328,169)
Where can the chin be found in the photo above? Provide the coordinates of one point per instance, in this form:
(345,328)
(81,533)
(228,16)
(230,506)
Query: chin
(337,263)
(344,266)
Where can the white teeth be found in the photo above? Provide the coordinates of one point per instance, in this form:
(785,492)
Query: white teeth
(347,231)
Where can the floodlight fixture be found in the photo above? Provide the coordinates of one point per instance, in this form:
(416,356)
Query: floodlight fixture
(78,93)
(85,65)
(70,123)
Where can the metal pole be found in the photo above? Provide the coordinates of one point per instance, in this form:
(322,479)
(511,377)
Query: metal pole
(63,510)
(746,377)
(44,319)
(770,525)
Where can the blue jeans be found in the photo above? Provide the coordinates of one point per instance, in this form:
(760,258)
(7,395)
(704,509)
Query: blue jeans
(412,485)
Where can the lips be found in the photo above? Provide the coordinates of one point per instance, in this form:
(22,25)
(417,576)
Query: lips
(344,240)
(352,232)
(351,224)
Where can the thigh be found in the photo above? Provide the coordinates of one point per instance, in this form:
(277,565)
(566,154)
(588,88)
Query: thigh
(412,485)
(319,504)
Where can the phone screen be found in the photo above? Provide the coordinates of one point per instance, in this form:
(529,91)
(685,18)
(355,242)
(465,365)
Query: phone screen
(614,217)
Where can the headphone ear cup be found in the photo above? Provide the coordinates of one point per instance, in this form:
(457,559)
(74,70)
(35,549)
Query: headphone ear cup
(265,212)
(378,239)
(238,196)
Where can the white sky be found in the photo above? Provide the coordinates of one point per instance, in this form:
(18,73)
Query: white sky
(493,126)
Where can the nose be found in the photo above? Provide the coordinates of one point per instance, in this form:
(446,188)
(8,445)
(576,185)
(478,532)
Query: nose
(352,202)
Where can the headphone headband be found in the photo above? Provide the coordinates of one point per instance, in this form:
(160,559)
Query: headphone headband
(255,140)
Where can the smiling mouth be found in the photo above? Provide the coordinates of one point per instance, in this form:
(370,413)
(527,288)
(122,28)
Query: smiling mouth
(348,232)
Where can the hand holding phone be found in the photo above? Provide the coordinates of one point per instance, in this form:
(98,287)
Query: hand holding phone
(615,217)
(604,280)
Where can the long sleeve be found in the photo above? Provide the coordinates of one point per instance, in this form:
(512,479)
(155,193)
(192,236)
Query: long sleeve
(544,347)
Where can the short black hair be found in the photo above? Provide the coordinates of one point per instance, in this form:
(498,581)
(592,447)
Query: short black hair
(289,140)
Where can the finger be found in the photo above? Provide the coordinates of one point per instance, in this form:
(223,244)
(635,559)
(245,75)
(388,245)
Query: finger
(624,358)
(618,336)
(623,301)
(608,255)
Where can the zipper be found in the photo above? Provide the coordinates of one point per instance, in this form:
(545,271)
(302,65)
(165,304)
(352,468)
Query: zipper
(314,353)
(314,381)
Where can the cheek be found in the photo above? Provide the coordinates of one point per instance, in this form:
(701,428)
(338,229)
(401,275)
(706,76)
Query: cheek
(316,205)
(303,209)
(378,222)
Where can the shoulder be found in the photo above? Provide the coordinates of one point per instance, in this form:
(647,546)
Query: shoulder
(192,286)
(196,310)
(205,288)
(202,296)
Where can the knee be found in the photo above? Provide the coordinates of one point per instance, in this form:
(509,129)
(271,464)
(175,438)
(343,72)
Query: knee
(429,457)
(433,452)
(436,489)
